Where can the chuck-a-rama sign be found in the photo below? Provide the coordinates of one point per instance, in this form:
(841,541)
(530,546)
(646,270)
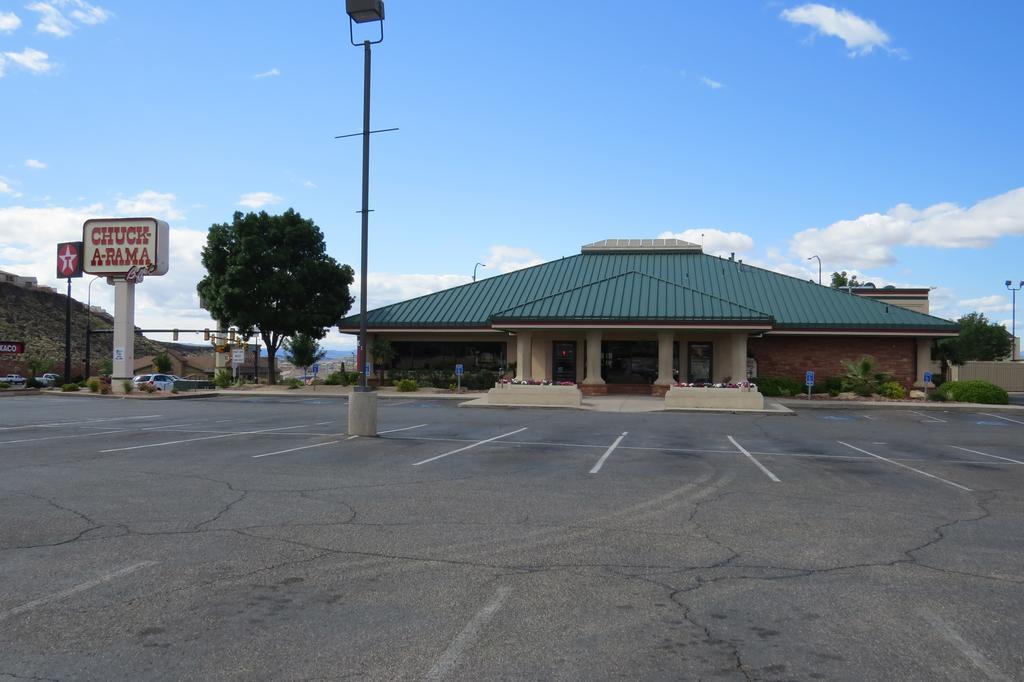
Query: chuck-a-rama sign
(124,247)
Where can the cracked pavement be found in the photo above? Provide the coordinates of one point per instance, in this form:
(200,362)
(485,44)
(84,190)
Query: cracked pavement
(678,560)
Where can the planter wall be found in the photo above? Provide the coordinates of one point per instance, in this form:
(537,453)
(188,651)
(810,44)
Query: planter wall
(713,398)
(524,394)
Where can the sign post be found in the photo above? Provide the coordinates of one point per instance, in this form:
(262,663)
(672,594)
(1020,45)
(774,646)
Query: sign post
(69,265)
(927,380)
(458,378)
(125,251)
(809,380)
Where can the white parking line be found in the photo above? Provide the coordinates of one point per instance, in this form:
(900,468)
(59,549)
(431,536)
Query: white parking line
(1003,418)
(970,652)
(470,447)
(406,428)
(927,416)
(107,577)
(979,452)
(923,473)
(450,658)
(303,447)
(760,466)
(611,448)
(73,435)
(52,425)
(192,440)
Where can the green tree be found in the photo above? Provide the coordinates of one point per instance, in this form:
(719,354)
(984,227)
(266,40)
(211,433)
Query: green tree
(979,339)
(272,273)
(841,279)
(303,350)
(383,353)
(36,364)
(162,362)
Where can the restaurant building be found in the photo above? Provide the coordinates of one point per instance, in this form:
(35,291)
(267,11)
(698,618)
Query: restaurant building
(637,315)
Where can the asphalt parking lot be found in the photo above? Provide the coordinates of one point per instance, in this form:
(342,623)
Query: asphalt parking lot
(251,539)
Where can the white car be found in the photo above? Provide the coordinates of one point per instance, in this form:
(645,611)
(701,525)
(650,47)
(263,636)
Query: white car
(161,382)
(49,379)
(14,380)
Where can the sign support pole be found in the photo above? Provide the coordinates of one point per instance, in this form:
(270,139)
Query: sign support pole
(124,332)
(67,337)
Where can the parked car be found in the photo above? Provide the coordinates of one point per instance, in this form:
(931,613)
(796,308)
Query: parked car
(161,382)
(14,380)
(50,379)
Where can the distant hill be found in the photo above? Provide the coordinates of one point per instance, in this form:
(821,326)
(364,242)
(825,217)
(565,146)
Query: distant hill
(37,318)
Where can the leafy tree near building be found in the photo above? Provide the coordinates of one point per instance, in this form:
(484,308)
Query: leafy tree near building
(36,364)
(383,354)
(841,279)
(303,350)
(272,273)
(979,339)
(162,362)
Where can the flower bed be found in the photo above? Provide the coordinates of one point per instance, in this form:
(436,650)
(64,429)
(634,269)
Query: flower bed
(544,393)
(533,382)
(724,396)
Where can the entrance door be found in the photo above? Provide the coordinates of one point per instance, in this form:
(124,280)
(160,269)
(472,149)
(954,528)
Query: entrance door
(699,363)
(564,361)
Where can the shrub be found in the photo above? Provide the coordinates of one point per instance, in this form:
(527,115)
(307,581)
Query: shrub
(105,389)
(4,385)
(479,381)
(778,387)
(861,377)
(834,385)
(222,379)
(334,379)
(293,383)
(976,391)
(893,390)
(407,385)
(937,396)
(33,383)
(94,385)
(148,389)
(69,388)
(128,386)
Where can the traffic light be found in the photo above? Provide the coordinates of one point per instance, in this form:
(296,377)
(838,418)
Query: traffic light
(175,337)
(206,335)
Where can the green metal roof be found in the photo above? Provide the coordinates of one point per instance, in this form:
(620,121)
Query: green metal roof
(652,286)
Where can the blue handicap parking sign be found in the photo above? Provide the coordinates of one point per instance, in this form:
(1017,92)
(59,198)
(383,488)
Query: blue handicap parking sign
(458,370)
(809,380)
(927,377)
(314,369)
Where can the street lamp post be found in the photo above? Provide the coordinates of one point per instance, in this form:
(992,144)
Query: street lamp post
(819,268)
(477,266)
(362,416)
(88,330)
(1013,327)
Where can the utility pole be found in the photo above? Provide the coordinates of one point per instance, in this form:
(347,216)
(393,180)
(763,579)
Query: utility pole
(67,337)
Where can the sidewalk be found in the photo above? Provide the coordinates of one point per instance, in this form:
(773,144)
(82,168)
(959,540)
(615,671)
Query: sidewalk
(797,404)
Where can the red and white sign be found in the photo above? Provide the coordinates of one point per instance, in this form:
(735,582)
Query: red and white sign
(12,347)
(69,259)
(119,247)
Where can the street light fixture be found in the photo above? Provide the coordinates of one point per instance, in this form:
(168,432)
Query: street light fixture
(362,410)
(1013,328)
(88,330)
(477,266)
(819,268)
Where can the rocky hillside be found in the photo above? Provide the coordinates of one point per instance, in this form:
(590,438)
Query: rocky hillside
(37,318)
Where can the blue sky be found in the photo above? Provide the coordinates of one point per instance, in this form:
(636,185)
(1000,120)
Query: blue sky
(883,136)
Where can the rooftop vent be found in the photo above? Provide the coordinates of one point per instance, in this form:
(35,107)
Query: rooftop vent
(642,246)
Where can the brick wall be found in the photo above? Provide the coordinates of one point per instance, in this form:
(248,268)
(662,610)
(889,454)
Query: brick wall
(791,356)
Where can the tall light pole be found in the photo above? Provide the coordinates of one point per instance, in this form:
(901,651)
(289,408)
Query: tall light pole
(1013,329)
(819,268)
(362,412)
(88,330)
(477,266)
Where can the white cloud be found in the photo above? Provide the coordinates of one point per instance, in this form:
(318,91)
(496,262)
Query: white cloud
(29,59)
(868,241)
(715,242)
(714,85)
(35,163)
(309,183)
(860,35)
(987,304)
(256,200)
(5,187)
(501,259)
(9,22)
(266,74)
(158,205)
(53,21)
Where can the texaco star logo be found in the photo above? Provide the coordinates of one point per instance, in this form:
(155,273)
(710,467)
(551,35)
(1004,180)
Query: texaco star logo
(68,261)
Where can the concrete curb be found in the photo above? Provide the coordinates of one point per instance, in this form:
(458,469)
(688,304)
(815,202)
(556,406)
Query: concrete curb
(781,411)
(381,396)
(877,405)
(19,391)
(122,396)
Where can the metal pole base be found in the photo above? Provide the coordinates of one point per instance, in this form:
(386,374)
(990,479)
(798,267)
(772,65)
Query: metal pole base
(362,414)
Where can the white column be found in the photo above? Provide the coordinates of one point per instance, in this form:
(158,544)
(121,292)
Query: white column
(593,376)
(124,332)
(665,340)
(683,357)
(924,359)
(738,357)
(524,356)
